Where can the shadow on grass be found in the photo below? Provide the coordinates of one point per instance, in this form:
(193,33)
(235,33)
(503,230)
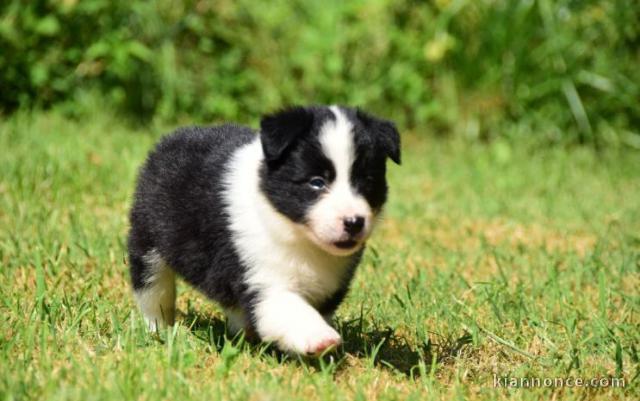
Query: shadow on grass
(382,347)
(207,328)
(385,348)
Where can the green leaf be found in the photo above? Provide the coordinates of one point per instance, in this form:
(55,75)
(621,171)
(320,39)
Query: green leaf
(39,74)
(48,26)
(97,50)
(140,51)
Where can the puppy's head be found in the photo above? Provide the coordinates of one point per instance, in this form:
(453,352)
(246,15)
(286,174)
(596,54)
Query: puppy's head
(324,169)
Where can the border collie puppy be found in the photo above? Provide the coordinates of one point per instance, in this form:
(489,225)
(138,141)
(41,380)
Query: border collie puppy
(271,226)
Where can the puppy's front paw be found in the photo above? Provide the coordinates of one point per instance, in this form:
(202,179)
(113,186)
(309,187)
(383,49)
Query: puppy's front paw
(312,342)
(323,344)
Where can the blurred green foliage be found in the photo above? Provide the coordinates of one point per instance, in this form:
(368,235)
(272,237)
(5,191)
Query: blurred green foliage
(562,70)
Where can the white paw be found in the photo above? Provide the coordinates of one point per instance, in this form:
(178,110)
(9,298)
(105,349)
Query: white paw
(312,342)
(287,320)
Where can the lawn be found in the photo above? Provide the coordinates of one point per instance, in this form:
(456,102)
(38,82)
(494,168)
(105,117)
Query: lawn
(494,260)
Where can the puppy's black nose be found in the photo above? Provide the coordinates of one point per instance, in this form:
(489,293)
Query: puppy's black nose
(353,225)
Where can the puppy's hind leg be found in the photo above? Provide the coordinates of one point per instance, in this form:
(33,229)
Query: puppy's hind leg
(154,287)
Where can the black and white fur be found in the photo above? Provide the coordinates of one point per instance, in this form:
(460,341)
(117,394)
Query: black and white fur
(272,226)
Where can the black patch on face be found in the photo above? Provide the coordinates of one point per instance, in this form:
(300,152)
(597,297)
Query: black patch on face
(285,180)
(368,176)
(383,132)
(375,140)
(280,130)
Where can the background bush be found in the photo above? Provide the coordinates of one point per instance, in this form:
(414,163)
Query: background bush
(563,70)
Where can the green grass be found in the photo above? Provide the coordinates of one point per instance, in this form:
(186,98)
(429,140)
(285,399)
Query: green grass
(504,258)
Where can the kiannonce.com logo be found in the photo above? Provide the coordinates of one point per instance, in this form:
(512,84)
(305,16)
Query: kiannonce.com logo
(531,382)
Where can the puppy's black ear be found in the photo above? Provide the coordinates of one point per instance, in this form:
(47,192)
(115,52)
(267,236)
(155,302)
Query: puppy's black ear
(386,131)
(279,130)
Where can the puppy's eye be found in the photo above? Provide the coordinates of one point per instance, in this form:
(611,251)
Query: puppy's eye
(317,183)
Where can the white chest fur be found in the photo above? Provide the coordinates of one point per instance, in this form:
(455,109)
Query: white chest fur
(278,255)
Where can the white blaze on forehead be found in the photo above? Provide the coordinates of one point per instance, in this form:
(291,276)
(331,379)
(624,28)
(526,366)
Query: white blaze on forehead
(341,200)
(336,139)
